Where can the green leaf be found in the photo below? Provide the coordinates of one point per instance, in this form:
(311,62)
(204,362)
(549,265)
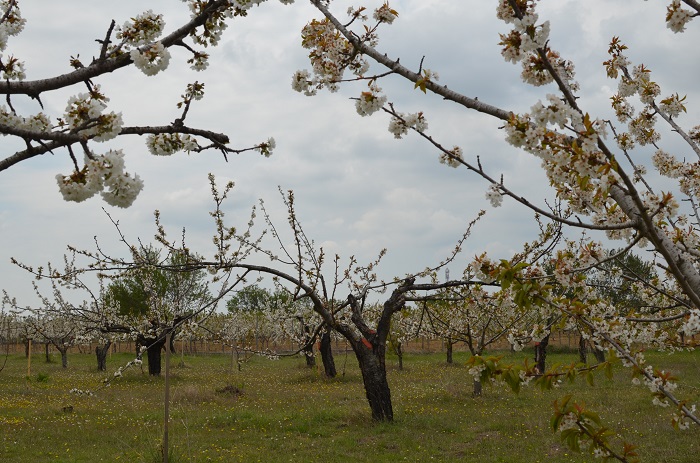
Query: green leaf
(608,370)
(589,378)
(592,416)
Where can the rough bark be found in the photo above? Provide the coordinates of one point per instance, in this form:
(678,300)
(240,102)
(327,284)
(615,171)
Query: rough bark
(327,355)
(309,356)
(46,352)
(541,354)
(308,348)
(373,368)
(599,354)
(64,356)
(153,351)
(449,344)
(399,354)
(101,353)
(582,350)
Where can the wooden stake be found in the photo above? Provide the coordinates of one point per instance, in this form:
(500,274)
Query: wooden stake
(29,357)
(166,418)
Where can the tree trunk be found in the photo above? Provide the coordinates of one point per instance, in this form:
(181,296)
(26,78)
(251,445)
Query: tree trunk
(101,353)
(541,354)
(449,350)
(64,356)
(309,356)
(155,346)
(373,368)
(308,349)
(477,388)
(46,352)
(582,349)
(327,355)
(399,354)
(599,354)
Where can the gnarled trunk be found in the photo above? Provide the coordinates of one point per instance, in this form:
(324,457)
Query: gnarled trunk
(327,355)
(373,368)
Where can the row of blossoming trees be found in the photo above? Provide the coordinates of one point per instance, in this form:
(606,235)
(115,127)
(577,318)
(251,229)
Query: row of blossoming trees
(599,186)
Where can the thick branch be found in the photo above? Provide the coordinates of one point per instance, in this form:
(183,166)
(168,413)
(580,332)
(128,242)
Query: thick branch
(98,67)
(441,90)
(60,139)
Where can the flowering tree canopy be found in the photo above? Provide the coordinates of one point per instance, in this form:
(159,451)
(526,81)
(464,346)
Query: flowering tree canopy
(587,159)
(144,42)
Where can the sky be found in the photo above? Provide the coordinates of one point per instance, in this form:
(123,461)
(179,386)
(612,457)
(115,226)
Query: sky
(357,189)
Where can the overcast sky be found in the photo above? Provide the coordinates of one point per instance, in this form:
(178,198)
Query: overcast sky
(357,189)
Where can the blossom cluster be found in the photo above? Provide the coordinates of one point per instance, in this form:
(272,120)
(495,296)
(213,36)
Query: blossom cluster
(452,158)
(142,29)
(38,123)
(385,14)
(527,43)
(576,168)
(329,53)
(494,195)
(151,59)
(371,101)
(105,174)
(11,25)
(267,147)
(13,69)
(677,17)
(85,114)
(691,325)
(165,144)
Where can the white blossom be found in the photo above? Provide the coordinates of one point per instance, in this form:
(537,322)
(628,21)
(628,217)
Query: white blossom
(677,17)
(151,59)
(165,144)
(385,14)
(106,170)
(370,102)
(141,30)
(301,82)
(493,194)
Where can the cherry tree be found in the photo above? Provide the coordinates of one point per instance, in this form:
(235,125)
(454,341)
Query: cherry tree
(142,42)
(297,265)
(142,304)
(60,333)
(615,175)
(587,159)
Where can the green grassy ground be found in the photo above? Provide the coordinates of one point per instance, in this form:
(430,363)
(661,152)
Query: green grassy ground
(287,412)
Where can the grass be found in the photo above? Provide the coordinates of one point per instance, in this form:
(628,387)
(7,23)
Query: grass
(280,411)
